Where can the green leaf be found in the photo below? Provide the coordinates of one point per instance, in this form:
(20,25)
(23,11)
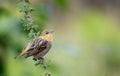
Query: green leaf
(27,1)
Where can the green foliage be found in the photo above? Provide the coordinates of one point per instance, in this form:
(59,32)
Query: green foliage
(95,35)
(27,21)
(30,26)
(24,7)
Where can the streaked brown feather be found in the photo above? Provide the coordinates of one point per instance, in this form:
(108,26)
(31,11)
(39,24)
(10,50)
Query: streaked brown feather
(44,52)
(38,45)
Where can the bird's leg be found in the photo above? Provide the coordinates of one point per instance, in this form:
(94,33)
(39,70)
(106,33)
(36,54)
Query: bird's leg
(43,64)
(41,61)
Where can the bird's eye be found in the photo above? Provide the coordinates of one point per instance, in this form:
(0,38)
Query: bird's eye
(47,32)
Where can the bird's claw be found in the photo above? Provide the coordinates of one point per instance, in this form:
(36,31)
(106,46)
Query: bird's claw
(41,61)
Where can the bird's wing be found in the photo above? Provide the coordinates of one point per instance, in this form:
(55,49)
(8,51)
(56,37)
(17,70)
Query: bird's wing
(37,45)
(32,47)
(42,53)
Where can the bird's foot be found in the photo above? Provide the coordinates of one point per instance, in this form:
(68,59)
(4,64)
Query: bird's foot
(41,61)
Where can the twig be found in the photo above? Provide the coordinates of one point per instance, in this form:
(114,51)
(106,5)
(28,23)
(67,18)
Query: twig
(30,26)
(26,12)
(27,21)
(43,64)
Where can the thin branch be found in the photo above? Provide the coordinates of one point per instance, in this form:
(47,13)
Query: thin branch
(28,22)
(29,25)
(43,64)
(26,12)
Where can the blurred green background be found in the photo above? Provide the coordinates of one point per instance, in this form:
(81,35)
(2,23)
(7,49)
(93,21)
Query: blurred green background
(86,39)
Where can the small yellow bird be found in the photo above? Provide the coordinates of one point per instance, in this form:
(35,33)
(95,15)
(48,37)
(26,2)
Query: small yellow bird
(39,46)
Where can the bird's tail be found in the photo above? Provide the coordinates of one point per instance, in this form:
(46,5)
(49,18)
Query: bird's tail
(21,54)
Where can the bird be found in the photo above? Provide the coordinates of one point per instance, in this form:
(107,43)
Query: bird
(39,46)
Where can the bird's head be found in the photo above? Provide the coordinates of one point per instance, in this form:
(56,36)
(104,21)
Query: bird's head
(47,34)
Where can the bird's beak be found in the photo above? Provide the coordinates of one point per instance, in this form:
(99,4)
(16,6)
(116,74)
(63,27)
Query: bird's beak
(51,31)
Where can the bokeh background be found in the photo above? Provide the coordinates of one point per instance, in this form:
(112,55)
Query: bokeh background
(86,39)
